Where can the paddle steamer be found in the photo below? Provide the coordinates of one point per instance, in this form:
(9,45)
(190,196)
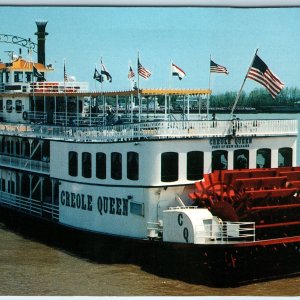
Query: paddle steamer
(201,200)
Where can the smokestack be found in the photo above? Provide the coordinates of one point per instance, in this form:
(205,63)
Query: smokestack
(41,38)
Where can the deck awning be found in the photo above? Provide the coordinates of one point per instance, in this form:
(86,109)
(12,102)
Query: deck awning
(21,64)
(159,92)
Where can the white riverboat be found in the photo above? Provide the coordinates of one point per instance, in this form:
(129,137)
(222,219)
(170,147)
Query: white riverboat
(215,197)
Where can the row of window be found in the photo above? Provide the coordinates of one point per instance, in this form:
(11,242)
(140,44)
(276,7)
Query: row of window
(9,105)
(170,163)
(18,76)
(195,162)
(100,164)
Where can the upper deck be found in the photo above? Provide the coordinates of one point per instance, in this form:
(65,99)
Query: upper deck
(156,130)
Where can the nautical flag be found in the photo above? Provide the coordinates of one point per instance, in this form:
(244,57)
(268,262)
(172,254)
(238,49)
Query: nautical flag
(130,73)
(37,74)
(65,73)
(176,71)
(215,68)
(260,72)
(105,73)
(143,71)
(98,76)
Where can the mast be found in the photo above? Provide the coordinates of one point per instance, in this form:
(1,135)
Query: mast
(138,86)
(101,92)
(65,95)
(170,86)
(240,91)
(208,97)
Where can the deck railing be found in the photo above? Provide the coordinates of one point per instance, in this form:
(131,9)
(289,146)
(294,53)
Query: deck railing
(25,164)
(157,130)
(30,206)
(226,232)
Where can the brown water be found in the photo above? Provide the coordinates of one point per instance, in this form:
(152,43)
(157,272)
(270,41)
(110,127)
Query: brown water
(28,267)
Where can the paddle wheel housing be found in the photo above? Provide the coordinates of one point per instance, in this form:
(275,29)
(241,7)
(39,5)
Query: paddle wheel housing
(269,197)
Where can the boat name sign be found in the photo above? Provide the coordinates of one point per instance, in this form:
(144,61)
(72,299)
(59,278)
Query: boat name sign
(229,142)
(105,205)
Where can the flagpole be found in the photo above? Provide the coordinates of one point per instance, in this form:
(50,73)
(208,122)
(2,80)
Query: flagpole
(170,75)
(138,86)
(101,91)
(33,83)
(240,91)
(208,98)
(130,80)
(170,85)
(95,81)
(66,103)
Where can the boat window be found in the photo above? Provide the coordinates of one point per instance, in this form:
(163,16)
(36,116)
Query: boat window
(9,106)
(116,165)
(6,77)
(219,160)
(1,77)
(241,159)
(137,208)
(169,166)
(18,76)
(100,165)
(263,158)
(1,105)
(28,76)
(285,157)
(18,106)
(194,167)
(86,164)
(132,165)
(73,163)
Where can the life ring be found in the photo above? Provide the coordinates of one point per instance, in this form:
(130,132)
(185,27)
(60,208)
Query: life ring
(25,115)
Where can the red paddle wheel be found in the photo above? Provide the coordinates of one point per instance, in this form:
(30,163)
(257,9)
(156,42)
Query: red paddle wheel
(268,197)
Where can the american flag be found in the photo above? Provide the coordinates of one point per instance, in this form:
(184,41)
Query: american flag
(130,73)
(215,68)
(143,71)
(260,72)
(65,73)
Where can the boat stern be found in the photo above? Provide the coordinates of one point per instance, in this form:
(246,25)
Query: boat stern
(198,226)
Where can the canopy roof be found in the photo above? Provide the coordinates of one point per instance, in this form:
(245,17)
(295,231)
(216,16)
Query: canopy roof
(21,64)
(158,92)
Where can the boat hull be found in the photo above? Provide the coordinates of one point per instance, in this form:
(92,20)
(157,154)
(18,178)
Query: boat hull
(215,265)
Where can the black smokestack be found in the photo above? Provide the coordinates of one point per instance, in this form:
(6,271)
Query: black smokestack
(41,38)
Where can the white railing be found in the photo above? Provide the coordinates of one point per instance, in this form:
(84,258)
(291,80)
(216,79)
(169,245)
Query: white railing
(82,119)
(30,206)
(226,232)
(25,164)
(158,130)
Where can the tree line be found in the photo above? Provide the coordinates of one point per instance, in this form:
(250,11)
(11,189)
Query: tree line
(257,98)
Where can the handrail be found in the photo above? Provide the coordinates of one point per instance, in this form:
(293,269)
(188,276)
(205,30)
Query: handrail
(25,164)
(226,232)
(157,130)
(30,206)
